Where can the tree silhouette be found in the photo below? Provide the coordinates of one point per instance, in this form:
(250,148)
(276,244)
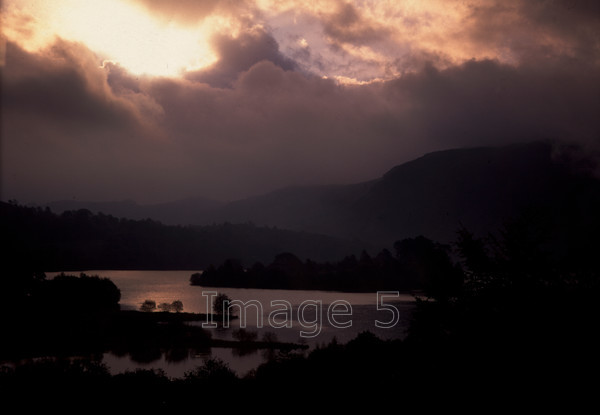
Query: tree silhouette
(177,306)
(427,264)
(148,306)
(419,264)
(213,370)
(244,335)
(220,305)
(164,307)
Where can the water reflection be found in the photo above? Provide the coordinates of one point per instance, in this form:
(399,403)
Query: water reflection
(239,360)
(168,286)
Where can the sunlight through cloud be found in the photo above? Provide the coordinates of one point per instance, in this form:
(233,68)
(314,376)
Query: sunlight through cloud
(117,31)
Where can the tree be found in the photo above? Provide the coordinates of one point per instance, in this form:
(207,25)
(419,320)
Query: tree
(165,307)
(269,337)
(177,306)
(243,335)
(213,370)
(427,264)
(221,302)
(148,306)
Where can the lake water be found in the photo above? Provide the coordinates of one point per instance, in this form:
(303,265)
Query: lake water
(312,321)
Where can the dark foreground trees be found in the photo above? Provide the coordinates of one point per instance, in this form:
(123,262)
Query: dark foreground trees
(521,323)
(517,332)
(418,264)
(526,316)
(37,239)
(62,315)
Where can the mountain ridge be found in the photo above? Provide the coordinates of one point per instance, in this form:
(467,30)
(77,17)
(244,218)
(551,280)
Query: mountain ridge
(433,195)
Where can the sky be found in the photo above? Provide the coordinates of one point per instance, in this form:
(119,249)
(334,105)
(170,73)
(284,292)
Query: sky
(155,101)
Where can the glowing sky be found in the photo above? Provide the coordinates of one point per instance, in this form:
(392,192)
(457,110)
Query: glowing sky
(156,100)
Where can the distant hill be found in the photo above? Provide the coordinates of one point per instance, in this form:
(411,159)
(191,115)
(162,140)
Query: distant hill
(182,212)
(37,239)
(433,196)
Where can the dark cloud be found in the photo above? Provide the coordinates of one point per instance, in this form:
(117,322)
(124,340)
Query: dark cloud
(276,127)
(182,11)
(348,26)
(73,129)
(64,84)
(485,102)
(538,29)
(576,22)
(64,131)
(120,80)
(237,55)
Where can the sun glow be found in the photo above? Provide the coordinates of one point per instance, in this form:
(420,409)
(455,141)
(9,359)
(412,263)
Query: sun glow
(115,30)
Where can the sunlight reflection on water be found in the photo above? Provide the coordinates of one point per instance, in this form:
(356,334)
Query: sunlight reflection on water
(168,286)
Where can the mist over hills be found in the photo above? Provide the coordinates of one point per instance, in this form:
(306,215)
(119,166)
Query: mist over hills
(434,195)
(36,239)
(180,212)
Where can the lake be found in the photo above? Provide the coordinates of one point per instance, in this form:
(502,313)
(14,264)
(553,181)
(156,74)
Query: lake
(317,317)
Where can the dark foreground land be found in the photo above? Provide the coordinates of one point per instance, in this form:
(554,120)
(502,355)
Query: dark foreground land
(519,327)
(79,315)
(517,332)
